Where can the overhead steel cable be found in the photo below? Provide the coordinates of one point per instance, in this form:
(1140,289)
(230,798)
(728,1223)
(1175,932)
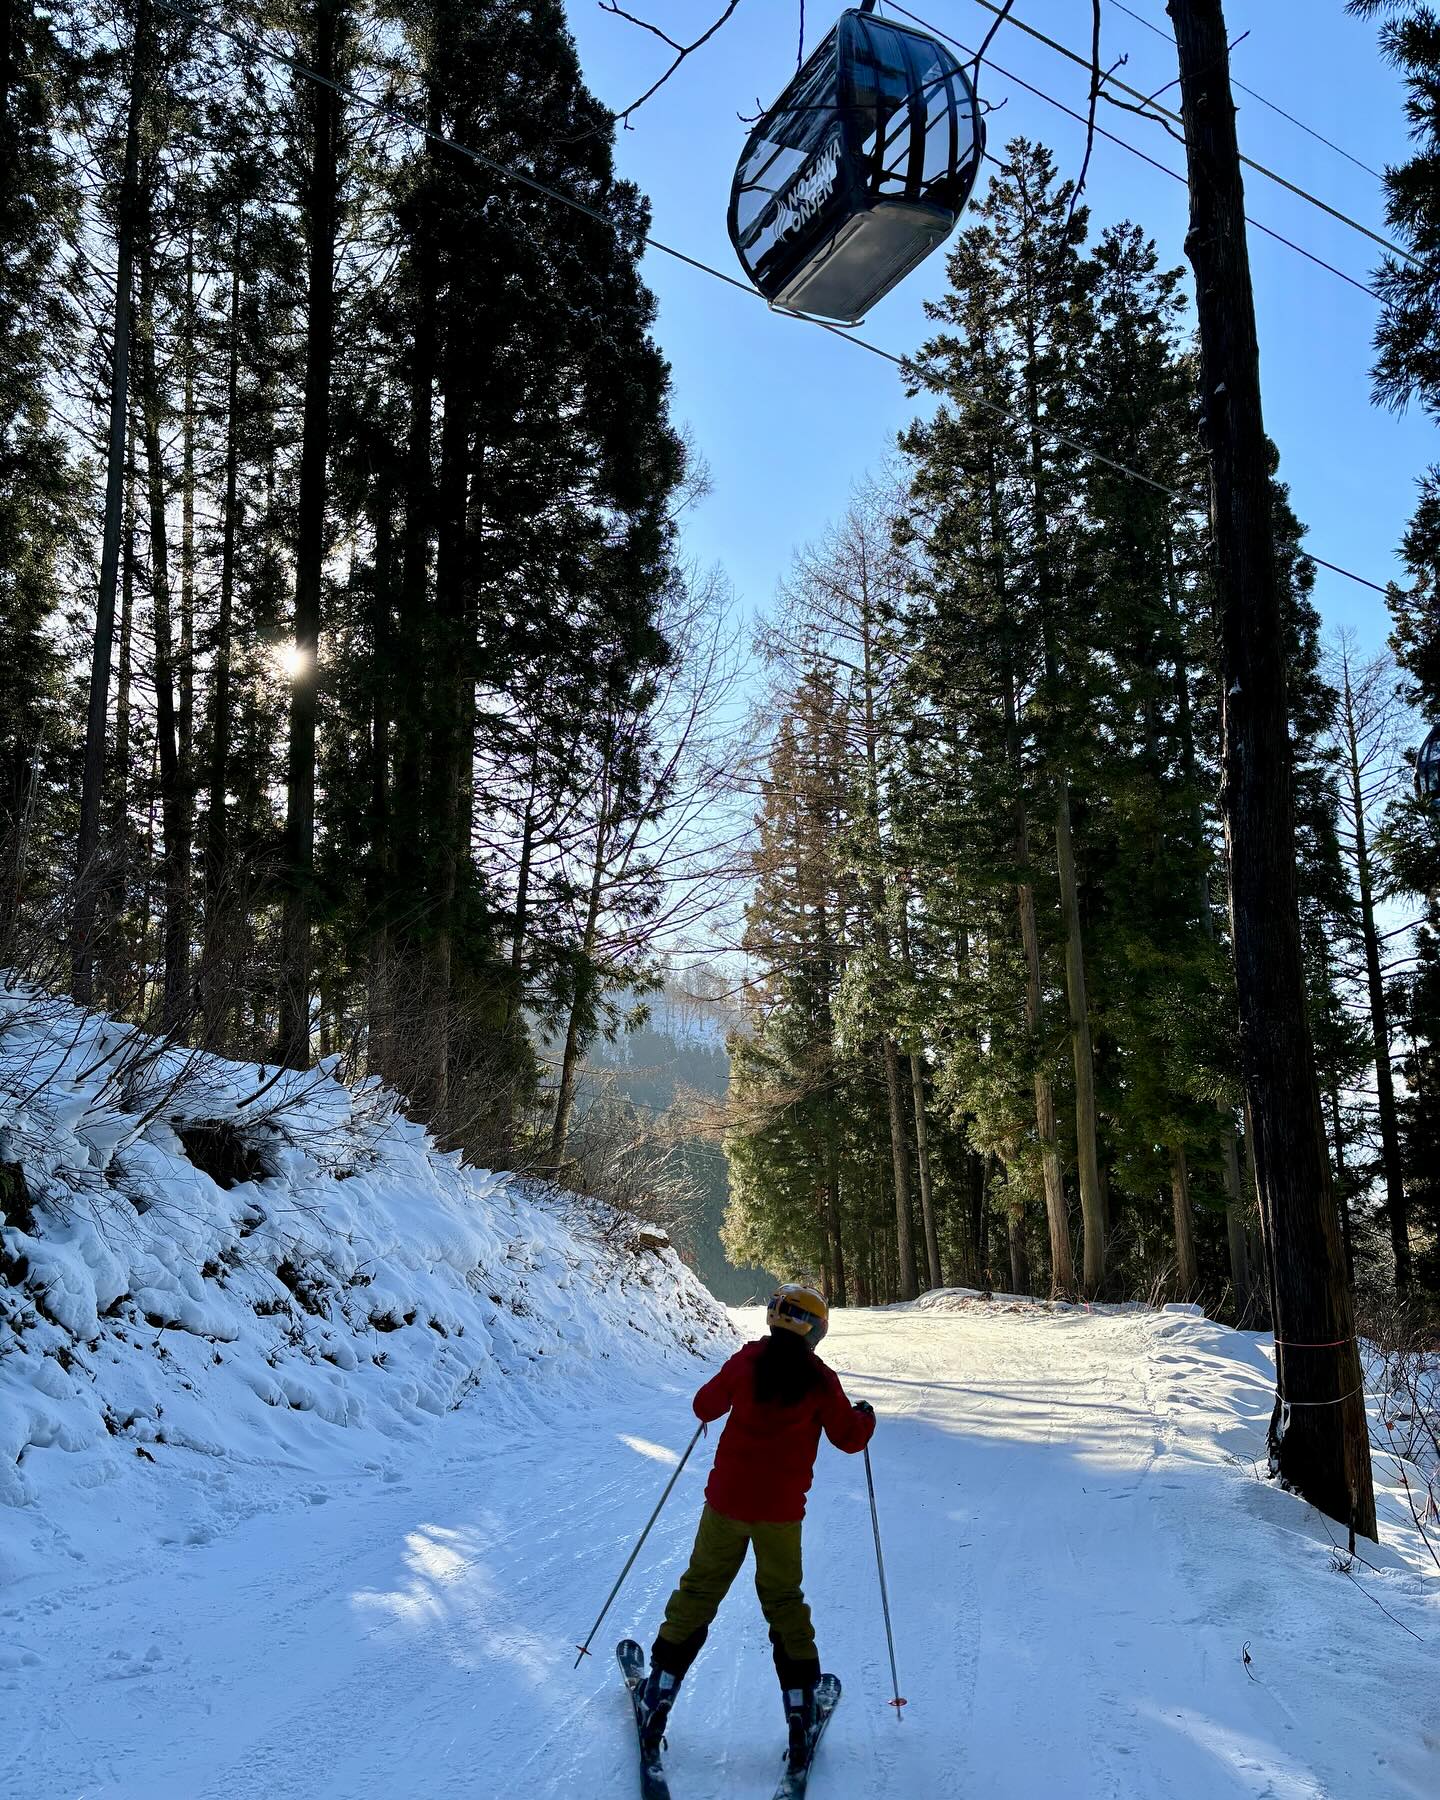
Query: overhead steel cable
(1125,144)
(1164,114)
(937,383)
(1299,124)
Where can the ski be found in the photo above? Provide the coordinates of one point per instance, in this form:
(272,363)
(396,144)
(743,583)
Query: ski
(827,1698)
(631,1658)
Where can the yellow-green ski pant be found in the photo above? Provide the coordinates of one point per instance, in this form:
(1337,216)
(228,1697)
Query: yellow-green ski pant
(720,1546)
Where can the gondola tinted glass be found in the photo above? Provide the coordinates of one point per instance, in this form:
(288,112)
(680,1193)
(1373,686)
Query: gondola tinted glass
(1427,769)
(860,169)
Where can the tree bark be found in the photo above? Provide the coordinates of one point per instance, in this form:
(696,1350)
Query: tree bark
(92,792)
(833,1225)
(1342,1182)
(900,1169)
(899,1149)
(570,1055)
(1186,1268)
(450,763)
(185,717)
(1392,1162)
(1092,1200)
(380,873)
(173,812)
(320,205)
(217,816)
(1062,1266)
(1237,1241)
(1319,1440)
(116,959)
(922,1136)
(1019,1253)
(414,634)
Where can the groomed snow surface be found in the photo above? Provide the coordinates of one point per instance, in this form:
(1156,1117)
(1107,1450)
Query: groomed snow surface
(381,1496)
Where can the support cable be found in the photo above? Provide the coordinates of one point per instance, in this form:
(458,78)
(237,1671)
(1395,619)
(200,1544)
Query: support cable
(1134,149)
(1299,124)
(1163,115)
(929,378)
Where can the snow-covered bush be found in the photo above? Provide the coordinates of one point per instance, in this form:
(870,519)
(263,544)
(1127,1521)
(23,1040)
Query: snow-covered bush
(223,1257)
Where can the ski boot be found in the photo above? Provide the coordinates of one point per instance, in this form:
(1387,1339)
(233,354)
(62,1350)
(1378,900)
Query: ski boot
(800,1722)
(657,1696)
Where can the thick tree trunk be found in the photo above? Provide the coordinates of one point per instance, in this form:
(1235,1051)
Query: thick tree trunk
(185,718)
(1235,1223)
(833,1226)
(173,810)
(320,206)
(217,815)
(1342,1182)
(890,1052)
(380,873)
(92,792)
(1092,1201)
(1186,1268)
(982,1223)
(900,1169)
(574,1029)
(117,960)
(1062,1266)
(1319,1439)
(449,763)
(1019,1253)
(922,1162)
(922,1135)
(413,637)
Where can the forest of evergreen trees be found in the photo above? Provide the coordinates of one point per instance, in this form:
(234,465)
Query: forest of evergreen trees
(994,1042)
(396,688)
(356,699)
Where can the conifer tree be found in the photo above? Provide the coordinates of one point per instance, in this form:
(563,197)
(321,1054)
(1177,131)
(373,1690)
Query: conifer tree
(36,481)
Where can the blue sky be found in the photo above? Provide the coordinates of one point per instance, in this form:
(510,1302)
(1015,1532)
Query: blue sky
(789,417)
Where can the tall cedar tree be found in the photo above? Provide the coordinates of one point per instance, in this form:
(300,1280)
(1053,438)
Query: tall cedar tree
(1318,1437)
(37,333)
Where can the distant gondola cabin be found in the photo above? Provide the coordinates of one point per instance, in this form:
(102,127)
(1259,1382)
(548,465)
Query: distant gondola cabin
(860,169)
(1427,769)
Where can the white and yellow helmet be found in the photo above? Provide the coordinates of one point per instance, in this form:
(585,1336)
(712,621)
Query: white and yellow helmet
(803,1310)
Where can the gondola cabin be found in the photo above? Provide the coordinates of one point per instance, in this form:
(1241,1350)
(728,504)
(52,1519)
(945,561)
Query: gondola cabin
(1427,769)
(860,169)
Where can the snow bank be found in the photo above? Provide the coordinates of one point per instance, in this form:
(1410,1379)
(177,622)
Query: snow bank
(248,1263)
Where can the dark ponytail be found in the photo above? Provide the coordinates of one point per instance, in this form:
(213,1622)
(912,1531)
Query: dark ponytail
(786,1370)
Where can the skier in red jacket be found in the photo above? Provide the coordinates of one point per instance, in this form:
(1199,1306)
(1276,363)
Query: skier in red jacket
(779,1396)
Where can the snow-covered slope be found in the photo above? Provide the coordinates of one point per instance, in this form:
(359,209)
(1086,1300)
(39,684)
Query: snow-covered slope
(1078,1550)
(206,1265)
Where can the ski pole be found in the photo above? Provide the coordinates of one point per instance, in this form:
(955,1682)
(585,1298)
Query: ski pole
(897,1702)
(584,1648)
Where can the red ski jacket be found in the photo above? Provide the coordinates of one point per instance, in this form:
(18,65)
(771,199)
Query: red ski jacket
(765,1461)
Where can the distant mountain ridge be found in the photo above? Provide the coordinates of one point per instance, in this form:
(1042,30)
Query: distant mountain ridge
(680,1049)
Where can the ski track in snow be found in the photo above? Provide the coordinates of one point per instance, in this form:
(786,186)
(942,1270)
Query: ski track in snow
(1076,1546)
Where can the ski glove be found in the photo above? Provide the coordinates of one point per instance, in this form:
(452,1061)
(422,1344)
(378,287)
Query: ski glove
(865,1407)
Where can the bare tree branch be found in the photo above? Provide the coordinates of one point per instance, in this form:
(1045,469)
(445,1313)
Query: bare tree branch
(1097,81)
(1001,16)
(681,50)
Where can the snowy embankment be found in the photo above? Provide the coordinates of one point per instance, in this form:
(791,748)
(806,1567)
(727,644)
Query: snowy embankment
(316,1478)
(207,1265)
